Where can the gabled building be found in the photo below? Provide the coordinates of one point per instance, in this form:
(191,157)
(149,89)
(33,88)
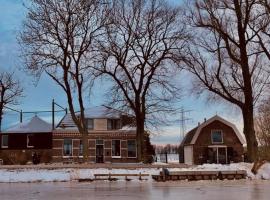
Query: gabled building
(20,141)
(214,141)
(111,137)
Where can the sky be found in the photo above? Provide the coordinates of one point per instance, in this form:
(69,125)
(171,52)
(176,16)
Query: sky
(38,95)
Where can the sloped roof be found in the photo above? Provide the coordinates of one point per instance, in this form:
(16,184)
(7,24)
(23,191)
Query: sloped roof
(34,125)
(98,112)
(191,137)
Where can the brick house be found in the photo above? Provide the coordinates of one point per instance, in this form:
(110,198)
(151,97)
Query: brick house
(214,141)
(20,141)
(111,137)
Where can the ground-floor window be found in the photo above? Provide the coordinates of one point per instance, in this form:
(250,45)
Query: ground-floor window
(4,143)
(131,148)
(67,151)
(81,148)
(30,141)
(116,148)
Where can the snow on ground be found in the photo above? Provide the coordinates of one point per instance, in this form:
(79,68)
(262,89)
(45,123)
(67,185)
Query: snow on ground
(46,175)
(70,174)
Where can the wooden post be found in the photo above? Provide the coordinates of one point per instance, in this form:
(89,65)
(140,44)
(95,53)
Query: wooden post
(53,114)
(140,176)
(21,116)
(166,157)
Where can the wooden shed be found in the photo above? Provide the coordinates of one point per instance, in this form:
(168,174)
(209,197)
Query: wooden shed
(23,139)
(216,140)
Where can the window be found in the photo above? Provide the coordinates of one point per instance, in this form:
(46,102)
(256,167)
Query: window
(81,148)
(67,147)
(113,124)
(217,137)
(90,124)
(30,141)
(4,141)
(116,148)
(99,142)
(131,148)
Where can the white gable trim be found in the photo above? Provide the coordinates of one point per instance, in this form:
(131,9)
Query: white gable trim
(197,133)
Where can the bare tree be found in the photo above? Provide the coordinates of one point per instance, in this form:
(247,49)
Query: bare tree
(262,127)
(226,58)
(57,39)
(138,53)
(10,92)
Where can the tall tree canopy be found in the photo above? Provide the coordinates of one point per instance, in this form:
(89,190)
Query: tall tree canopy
(10,92)
(58,39)
(226,57)
(138,52)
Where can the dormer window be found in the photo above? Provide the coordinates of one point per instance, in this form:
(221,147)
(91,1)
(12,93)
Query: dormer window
(113,124)
(217,137)
(90,124)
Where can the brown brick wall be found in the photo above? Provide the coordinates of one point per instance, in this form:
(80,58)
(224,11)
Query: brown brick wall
(230,139)
(58,146)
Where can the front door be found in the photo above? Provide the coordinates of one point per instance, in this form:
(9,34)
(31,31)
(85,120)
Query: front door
(217,155)
(222,155)
(99,151)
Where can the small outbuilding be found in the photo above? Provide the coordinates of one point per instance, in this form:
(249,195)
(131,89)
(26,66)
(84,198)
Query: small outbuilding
(216,140)
(21,141)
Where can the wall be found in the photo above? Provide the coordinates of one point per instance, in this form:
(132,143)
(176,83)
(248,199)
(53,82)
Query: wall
(230,139)
(58,139)
(100,124)
(18,141)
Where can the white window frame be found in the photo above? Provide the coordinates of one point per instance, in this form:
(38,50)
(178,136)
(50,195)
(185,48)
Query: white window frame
(2,145)
(71,149)
(112,149)
(27,141)
(216,130)
(135,148)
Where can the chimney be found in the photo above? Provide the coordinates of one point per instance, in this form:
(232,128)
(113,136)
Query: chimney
(204,119)
(199,123)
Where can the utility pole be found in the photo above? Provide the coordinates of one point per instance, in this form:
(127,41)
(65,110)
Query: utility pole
(183,121)
(53,114)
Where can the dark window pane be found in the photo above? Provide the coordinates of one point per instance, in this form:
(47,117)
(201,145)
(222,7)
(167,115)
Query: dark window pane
(131,148)
(67,147)
(81,148)
(217,137)
(113,124)
(116,148)
(99,142)
(90,124)
(4,140)
(30,140)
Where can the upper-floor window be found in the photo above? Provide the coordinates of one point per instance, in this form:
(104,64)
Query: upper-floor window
(90,124)
(4,143)
(113,124)
(217,137)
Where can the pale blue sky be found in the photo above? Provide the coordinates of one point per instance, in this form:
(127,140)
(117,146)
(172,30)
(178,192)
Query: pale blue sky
(12,13)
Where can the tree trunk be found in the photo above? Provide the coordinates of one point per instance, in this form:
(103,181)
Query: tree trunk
(252,144)
(140,138)
(85,146)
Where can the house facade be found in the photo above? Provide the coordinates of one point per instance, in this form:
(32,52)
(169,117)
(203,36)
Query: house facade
(214,141)
(111,138)
(19,142)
